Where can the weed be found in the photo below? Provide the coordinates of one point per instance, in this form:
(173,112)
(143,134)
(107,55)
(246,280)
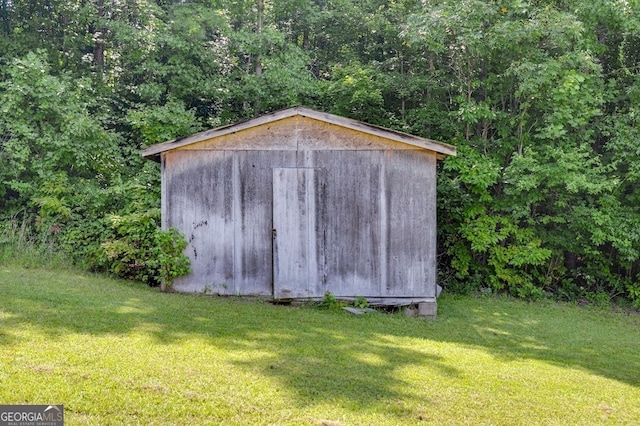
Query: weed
(360,302)
(330,302)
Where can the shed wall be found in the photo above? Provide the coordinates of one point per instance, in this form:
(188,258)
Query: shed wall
(374,211)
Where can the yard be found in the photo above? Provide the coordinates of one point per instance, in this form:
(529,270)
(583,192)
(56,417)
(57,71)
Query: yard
(114,352)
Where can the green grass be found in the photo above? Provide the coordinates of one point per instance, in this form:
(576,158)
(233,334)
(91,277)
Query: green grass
(119,353)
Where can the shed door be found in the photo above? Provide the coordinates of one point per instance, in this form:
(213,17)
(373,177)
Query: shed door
(295,270)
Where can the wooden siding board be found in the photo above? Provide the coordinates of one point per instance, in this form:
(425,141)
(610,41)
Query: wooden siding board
(287,267)
(299,134)
(383,208)
(335,221)
(313,274)
(294,241)
(367,216)
(199,203)
(377,131)
(164,180)
(253,252)
(348,220)
(258,125)
(277,136)
(319,227)
(316,135)
(411,236)
(236,246)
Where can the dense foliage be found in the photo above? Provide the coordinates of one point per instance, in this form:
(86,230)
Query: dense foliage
(541,98)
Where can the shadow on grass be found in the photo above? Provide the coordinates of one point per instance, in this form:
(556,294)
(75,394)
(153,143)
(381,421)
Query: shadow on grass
(323,354)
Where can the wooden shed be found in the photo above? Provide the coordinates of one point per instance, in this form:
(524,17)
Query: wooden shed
(297,203)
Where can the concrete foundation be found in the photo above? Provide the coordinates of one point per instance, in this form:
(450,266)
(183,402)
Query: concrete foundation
(428,310)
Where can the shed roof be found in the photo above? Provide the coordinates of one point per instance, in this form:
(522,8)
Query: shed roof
(153,152)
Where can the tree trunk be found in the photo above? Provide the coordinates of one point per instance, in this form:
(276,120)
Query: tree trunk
(98,37)
(258,65)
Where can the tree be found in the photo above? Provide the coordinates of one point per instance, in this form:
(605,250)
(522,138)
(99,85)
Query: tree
(541,98)
(531,206)
(49,135)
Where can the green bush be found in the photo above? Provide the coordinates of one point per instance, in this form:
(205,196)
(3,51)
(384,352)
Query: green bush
(138,249)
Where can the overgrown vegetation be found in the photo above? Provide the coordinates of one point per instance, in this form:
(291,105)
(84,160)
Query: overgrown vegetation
(116,352)
(541,98)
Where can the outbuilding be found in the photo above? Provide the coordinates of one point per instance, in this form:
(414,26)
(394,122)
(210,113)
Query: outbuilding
(298,203)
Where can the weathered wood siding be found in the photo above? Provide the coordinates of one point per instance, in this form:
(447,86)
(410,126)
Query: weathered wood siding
(295,266)
(353,214)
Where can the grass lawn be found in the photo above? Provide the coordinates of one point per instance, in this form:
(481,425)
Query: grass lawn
(120,353)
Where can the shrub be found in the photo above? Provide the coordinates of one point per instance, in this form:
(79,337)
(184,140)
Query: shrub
(138,249)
